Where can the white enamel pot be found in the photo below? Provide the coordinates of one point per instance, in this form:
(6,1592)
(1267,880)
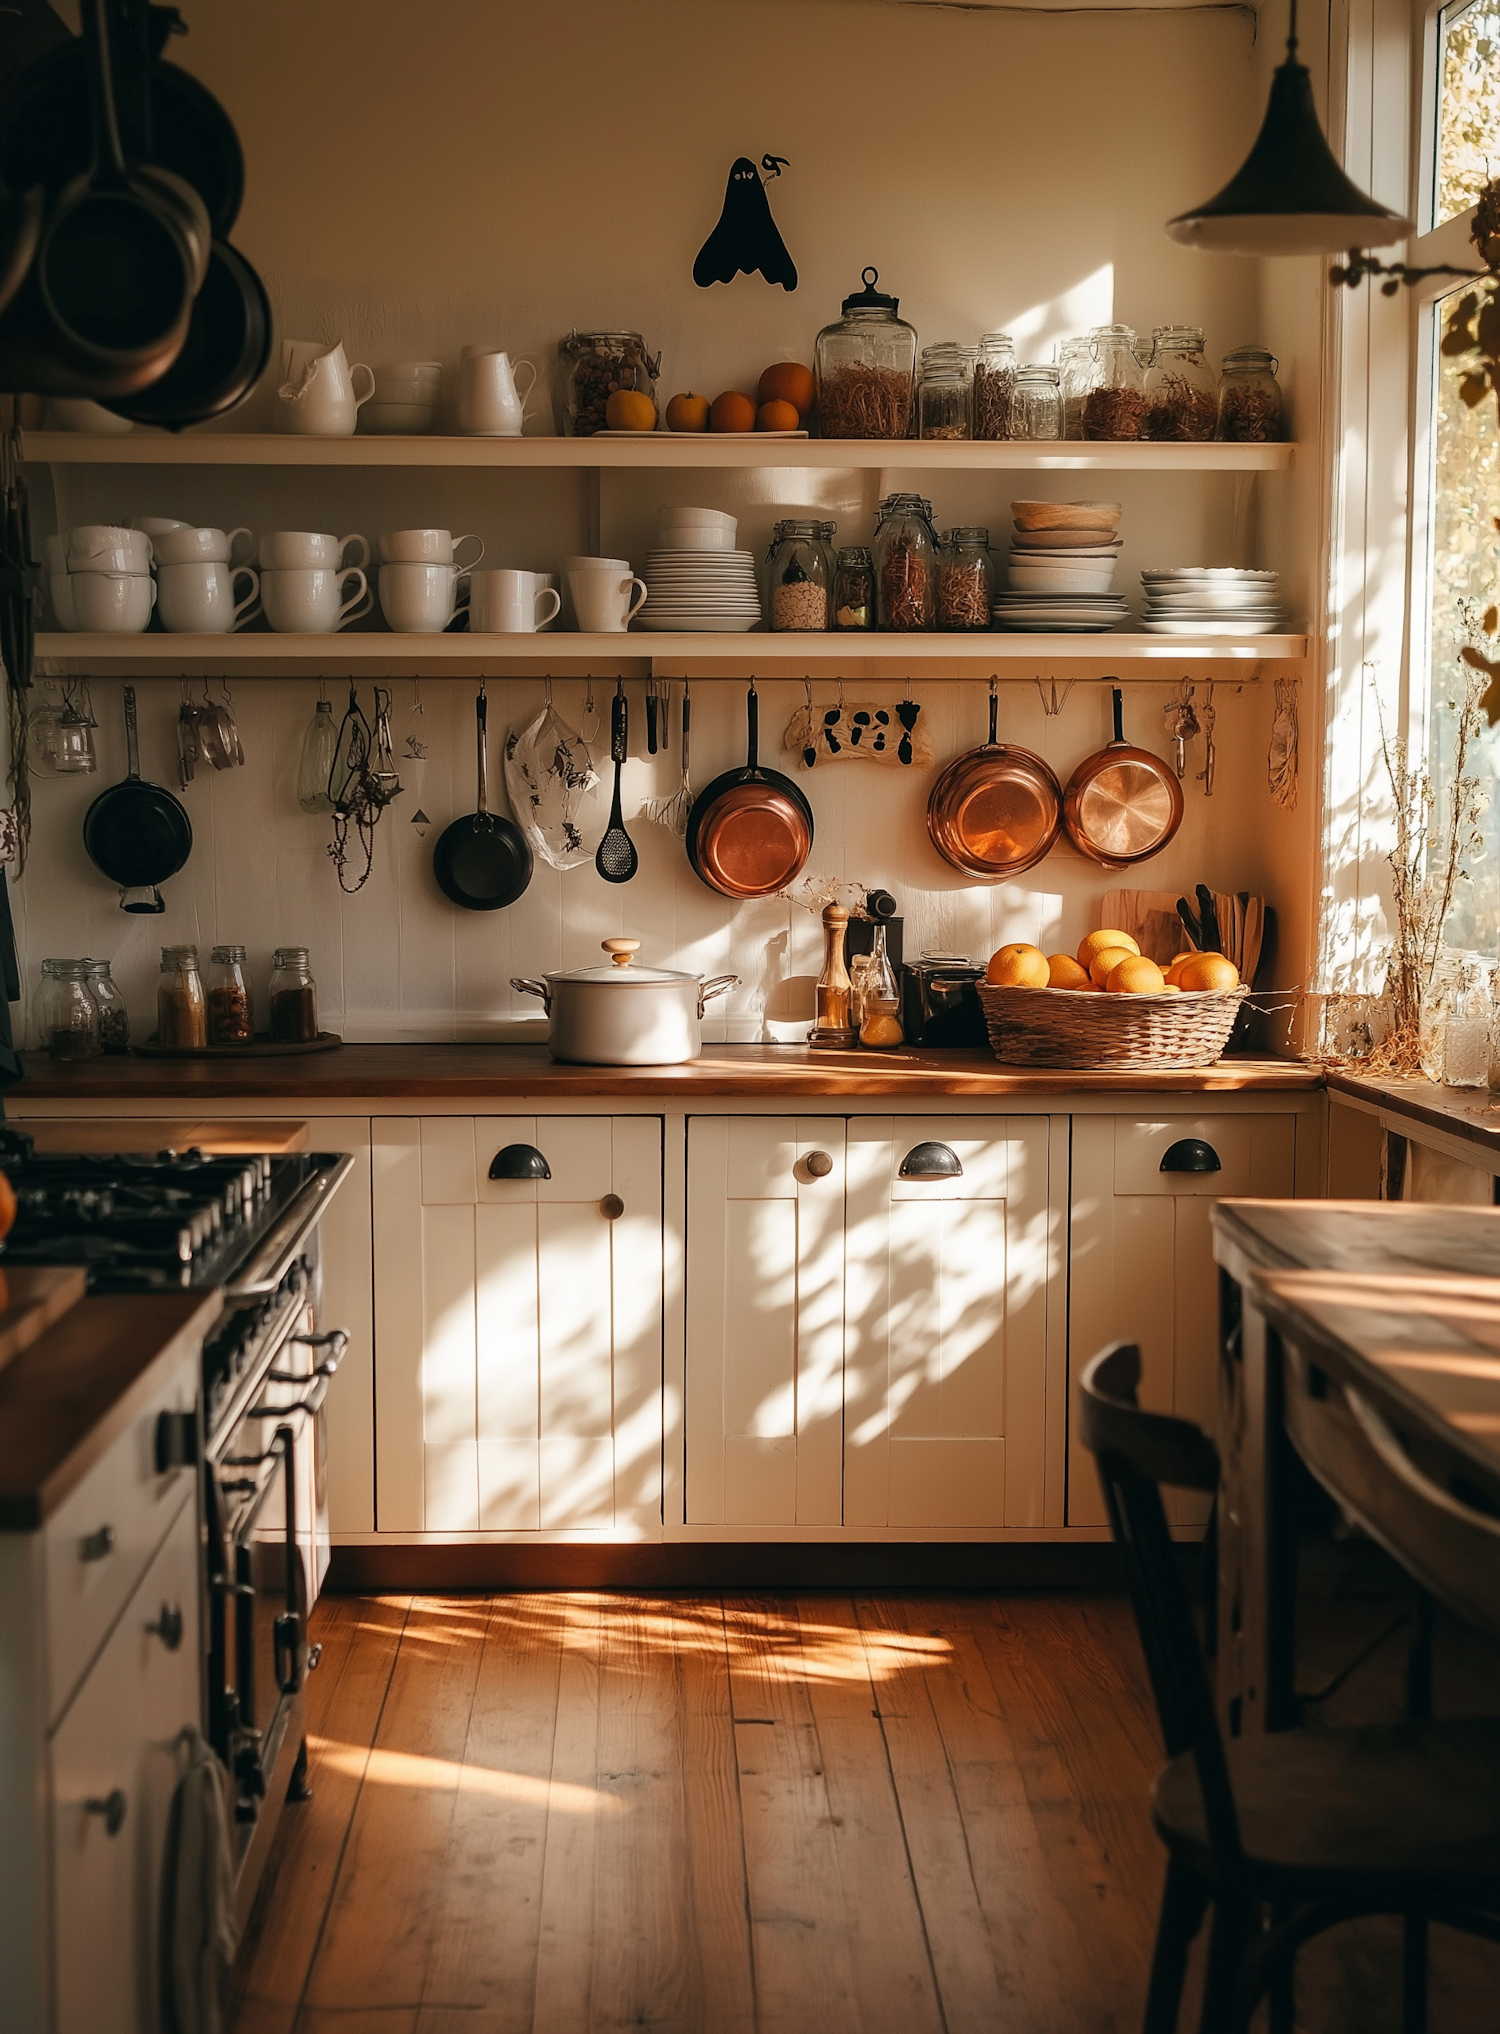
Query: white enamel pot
(623,1015)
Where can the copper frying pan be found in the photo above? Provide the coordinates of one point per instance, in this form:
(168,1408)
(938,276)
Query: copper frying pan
(751,832)
(1123,804)
(994,811)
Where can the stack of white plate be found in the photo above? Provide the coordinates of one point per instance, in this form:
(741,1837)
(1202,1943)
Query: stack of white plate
(1069,614)
(1202,600)
(1061,568)
(696,579)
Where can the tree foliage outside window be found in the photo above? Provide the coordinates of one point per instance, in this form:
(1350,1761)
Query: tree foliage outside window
(1468,136)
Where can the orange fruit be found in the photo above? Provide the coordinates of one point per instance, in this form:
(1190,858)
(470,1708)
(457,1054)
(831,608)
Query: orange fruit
(776,416)
(731,411)
(1135,976)
(1207,971)
(1018,966)
(787,381)
(7,1205)
(1063,972)
(687,413)
(629,410)
(1105,959)
(1097,942)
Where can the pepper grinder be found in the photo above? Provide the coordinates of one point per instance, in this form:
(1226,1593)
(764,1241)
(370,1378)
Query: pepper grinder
(833,1032)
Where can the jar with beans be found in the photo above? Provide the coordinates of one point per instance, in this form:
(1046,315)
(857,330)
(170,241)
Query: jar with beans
(231,1014)
(799,575)
(593,365)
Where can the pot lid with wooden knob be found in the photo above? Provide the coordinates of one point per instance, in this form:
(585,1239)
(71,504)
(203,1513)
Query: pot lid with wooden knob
(621,971)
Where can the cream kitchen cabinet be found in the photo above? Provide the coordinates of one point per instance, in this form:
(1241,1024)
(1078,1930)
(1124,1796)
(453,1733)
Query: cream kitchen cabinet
(518,1325)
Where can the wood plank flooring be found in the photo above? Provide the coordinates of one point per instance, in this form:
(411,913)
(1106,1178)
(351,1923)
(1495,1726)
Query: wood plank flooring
(560,1813)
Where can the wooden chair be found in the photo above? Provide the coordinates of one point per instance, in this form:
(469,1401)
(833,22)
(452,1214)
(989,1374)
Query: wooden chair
(1285,1834)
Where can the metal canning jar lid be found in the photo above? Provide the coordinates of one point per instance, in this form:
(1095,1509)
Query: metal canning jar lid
(227,956)
(178,957)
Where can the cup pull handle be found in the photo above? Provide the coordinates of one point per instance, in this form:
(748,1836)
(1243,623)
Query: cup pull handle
(930,1161)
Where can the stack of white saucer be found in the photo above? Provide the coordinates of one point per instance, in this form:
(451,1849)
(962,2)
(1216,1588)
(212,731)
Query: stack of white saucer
(1205,600)
(695,577)
(1061,568)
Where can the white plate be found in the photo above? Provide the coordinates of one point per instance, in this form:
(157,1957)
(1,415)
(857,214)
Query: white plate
(1184,627)
(1216,576)
(1054,627)
(719,625)
(1065,540)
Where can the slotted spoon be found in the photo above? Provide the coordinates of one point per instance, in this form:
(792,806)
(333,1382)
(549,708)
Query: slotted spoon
(617,860)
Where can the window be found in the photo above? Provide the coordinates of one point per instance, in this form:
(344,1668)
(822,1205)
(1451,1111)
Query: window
(1468,108)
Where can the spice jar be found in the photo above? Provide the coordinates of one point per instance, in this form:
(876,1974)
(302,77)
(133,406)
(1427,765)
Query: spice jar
(1182,401)
(944,391)
(1037,411)
(294,997)
(966,580)
(231,1018)
(866,367)
(1115,406)
(181,1012)
(1249,398)
(905,563)
(854,589)
(880,996)
(593,365)
(1075,373)
(114,1018)
(67,1018)
(799,575)
(994,386)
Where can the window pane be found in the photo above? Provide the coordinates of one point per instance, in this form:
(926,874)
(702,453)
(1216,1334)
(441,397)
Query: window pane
(1465,571)
(1468,137)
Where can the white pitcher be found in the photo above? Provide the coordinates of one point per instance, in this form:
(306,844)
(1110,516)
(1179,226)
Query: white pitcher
(489,404)
(321,395)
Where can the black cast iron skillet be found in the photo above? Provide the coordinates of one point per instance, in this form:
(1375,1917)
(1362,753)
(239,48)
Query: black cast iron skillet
(482,861)
(137,833)
(750,833)
(223,356)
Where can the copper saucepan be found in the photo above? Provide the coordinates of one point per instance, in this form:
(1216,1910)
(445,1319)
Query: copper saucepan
(994,811)
(751,832)
(1123,804)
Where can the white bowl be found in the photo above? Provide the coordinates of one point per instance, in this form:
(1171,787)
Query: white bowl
(389,420)
(1061,579)
(694,537)
(715,518)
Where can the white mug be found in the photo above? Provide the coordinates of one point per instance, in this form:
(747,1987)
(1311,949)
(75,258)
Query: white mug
(106,547)
(308,598)
(201,596)
(572,565)
(60,599)
(428,547)
(604,602)
(117,601)
(188,546)
(489,403)
(156,526)
(296,550)
(323,399)
(420,599)
(510,603)
(548,581)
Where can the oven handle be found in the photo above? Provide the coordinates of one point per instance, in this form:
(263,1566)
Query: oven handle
(286,1632)
(311,1404)
(279,1248)
(336,1341)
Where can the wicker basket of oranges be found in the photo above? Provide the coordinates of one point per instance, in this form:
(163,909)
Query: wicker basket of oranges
(1109,1006)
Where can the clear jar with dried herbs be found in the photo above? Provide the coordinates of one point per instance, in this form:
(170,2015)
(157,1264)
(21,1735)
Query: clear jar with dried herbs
(966,580)
(114,1018)
(866,367)
(1115,407)
(1249,398)
(906,560)
(67,1018)
(854,588)
(1181,393)
(181,1007)
(294,997)
(799,576)
(945,391)
(1038,404)
(1075,374)
(994,386)
(592,365)
(231,1010)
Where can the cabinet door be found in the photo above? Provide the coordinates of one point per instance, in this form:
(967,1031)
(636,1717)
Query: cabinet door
(518,1327)
(1141,1265)
(765,1321)
(946,1325)
(120,1733)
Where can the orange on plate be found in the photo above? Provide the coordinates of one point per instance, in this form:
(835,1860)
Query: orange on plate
(1136,976)
(1018,966)
(731,411)
(1097,942)
(787,381)
(1207,971)
(629,410)
(687,413)
(776,416)
(1063,972)
(1106,959)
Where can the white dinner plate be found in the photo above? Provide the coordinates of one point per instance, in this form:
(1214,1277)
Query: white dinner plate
(1208,628)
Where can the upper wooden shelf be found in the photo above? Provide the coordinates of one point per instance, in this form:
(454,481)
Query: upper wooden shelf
(645,453)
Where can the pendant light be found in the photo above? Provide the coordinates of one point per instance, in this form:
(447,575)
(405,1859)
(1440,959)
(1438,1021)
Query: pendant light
(1290,196)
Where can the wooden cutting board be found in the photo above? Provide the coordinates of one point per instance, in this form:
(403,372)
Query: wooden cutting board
(32,1297)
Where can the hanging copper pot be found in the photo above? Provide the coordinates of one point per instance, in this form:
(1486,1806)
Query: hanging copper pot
(751,832)
(995,811)
(1123,804)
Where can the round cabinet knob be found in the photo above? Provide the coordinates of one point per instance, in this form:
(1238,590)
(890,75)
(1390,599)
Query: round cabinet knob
(111,1806)
(611,1207)
(930,1161)
(168,1627)
(519,1161)
(819,1164)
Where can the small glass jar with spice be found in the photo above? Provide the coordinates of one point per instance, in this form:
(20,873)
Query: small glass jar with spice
(1249,398)
(181,1008)
(1181,397)
(67,1017)
(799,576)
(966,580)
(231,1011)
(905,564)
(1115,406)
(866,367)
(593,365)
(114,1018)
(1037,411)
(294,998)
(854,588)
(994,386)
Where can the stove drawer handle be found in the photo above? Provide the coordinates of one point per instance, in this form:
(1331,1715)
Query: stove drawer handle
(97,1545)
(168,1627)
(176,1441)
(286,1639)
(111,1806)
(335,1341)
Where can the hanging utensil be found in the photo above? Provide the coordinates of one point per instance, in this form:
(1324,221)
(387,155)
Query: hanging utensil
(651,708)
(482,861)
(138,834)
(1123,804)
(672,812)
(1210,752)
(616,859)
(995,811)
(750,833)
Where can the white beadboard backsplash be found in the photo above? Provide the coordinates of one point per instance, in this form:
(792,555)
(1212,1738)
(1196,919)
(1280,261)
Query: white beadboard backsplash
(398,963)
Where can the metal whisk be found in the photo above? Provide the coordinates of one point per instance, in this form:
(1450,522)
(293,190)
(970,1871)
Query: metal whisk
(672,812)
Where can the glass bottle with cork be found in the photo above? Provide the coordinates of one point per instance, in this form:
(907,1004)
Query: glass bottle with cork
(294,997)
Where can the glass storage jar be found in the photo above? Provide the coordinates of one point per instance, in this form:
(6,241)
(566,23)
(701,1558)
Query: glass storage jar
(1075,371)
(294,997)
(966,580)
(905,563)
(231,1012)
(994,386)
(944,391)
(1182,398)
(114,1018)
(67,1017)
(1466,1037)
(1115,406)
(1038,405)
(866,367)
(181,1011)
(592,366)
(1249,398)
(854,588)
(799,576)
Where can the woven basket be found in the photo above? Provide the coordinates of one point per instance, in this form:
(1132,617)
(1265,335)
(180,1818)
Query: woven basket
(1073,1028)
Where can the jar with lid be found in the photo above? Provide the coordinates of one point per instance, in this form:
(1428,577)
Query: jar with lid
(1038,405)
(592,366)
(905,563)
(67,1017)
(880,996)
(114,1018)
(1075,373)
(294,997)
(966,580)
(799,575)
(1182,400)
(994,386)
(1249,398)
(231,1013)
(1466,1037)
(181,1010)
(945,391)
(1115,406)
(854,589)
(866,367)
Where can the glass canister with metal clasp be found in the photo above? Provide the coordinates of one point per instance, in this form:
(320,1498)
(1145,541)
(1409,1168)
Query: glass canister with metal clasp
(181,1008)
(1115,406)
(1249,398)
(966,580)
(994,386)
(114,1018)
(591,366)
(294,997)
(854,588)
(1182,398)
(799,576)
(866,367)
(906,554)
(67,1017)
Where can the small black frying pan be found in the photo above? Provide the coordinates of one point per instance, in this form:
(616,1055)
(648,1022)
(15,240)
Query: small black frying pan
(137,833)
(482,861)
(223,356)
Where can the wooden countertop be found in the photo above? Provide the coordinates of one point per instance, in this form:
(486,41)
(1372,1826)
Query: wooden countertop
(1470,1113)
(1359,1237)
(400,1072)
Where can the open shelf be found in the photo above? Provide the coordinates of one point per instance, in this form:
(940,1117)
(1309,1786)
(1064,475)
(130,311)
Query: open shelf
(649,452)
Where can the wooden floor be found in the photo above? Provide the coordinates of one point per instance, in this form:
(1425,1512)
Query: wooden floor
(819,1815)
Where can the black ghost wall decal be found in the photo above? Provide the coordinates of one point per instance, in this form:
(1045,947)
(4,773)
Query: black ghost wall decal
(746,238)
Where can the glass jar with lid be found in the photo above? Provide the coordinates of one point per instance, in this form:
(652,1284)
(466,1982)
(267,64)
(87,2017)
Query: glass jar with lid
(905,563)
(799,576)
(854,588)
(181,1009)
(294,997)
(966,580)
(1115,406)
(231,1012)
(67,1017)
(1182,397)
(1075,373)
(592,366)
(114,1018)
(866,367)
(1249,398)
(1037,411)
(994,386)
(945,391)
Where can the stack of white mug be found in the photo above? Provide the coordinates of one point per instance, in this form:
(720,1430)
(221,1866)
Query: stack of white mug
(303,574)
(99,578)
(606,594)
(199,577)
(423,582)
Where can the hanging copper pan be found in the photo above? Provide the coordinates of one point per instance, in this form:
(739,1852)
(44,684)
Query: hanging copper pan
(994,811)
(1124,804)
(751,832)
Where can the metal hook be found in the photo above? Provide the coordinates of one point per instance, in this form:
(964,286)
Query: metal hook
(1053,706)
(547,690)
(807,692)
